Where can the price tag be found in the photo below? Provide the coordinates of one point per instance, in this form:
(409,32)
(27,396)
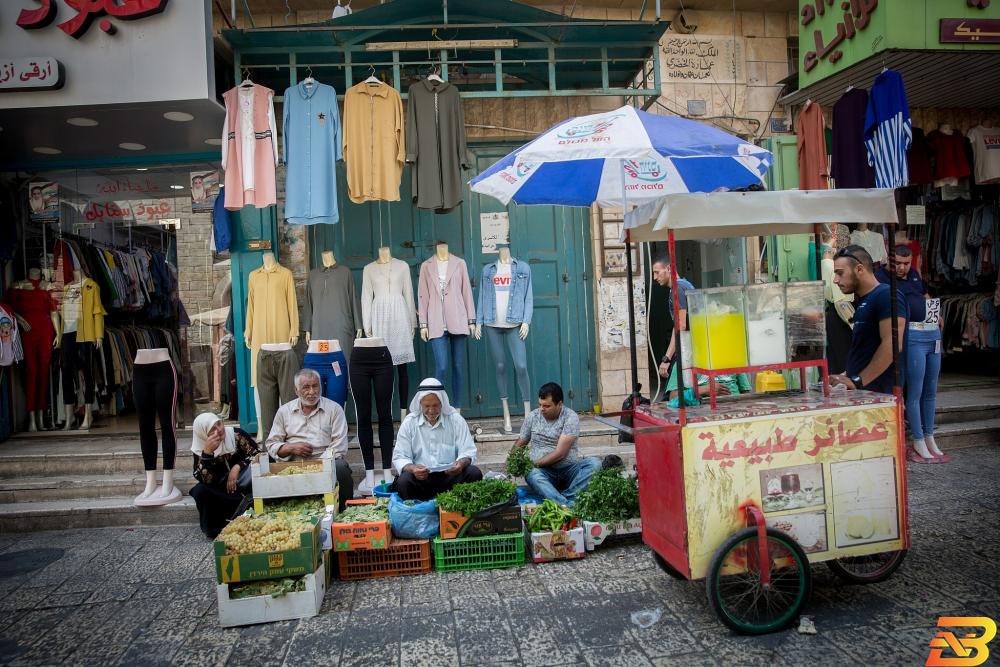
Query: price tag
(324,345)
(336,368)
(933,311)
(915,215)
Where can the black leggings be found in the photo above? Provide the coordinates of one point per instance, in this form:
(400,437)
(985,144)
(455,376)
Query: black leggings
(371,369)
(403,386)
(154,388)
(77,357)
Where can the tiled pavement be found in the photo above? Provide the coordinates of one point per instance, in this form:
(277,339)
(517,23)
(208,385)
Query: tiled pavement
(145,596)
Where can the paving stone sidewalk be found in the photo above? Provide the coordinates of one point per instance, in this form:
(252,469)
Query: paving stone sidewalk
(145,596)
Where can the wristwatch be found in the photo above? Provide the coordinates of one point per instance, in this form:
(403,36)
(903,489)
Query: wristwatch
(856,380)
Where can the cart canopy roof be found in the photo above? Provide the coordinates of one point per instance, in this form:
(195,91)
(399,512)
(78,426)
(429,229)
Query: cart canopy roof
(714,215)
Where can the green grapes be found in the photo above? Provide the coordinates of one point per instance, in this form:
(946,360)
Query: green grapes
(258,534)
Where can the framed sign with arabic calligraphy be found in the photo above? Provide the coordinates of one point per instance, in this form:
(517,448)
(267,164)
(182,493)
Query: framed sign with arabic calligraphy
(31,74)
(970,31)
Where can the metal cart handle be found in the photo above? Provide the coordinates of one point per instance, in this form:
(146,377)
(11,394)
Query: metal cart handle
(605,418)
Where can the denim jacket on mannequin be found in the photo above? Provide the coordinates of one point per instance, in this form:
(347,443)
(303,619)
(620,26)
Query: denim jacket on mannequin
(521,302)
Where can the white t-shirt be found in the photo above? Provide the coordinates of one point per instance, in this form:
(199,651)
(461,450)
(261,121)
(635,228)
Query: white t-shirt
(873,243)
(72,300)
(502,288)
(442,284)
(986,153)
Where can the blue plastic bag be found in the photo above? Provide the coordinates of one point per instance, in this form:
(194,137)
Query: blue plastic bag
(419,521)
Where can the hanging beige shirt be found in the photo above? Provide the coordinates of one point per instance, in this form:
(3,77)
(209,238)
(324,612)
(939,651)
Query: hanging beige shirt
(272,311)
(374,146)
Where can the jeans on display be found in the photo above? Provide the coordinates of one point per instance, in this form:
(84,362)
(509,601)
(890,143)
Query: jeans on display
(495,337)
(564,480)
(332,369)
(371,370)
(923,365)
(450,346)
(77,357)
(154,388)
(275,383)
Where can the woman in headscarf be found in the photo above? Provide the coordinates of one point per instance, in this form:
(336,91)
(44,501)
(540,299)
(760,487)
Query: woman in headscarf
(434,448)
(221,453)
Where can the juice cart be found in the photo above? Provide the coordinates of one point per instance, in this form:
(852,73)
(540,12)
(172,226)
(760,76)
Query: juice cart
(748,491)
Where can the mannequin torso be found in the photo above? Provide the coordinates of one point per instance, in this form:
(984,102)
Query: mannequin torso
(152,356)
(371,341)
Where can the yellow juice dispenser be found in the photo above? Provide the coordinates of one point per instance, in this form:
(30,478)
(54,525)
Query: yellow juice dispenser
(766,324)
(718,327)
(805,320)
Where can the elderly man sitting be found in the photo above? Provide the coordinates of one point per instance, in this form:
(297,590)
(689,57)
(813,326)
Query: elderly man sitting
(312,427)
(434,449)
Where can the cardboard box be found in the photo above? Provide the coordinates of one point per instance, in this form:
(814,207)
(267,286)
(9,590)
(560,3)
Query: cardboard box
(267,609)
(326,531)
(270,564)
(558,545)
(266,484)
(361,534)
(329,499)
(596,532)
(504,521)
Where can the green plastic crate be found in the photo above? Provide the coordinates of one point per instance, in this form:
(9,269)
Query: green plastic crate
(478,553)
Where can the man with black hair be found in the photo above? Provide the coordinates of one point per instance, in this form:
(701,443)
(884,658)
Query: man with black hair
(664,277)
(869,362)
(552,430)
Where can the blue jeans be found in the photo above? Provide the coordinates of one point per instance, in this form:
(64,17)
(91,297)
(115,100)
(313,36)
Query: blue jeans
(923,365)
(333,378)
(450,346)
(495,337)
(563,481)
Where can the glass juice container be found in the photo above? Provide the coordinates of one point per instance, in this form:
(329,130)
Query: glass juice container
(766,324)
(718,327)
(805,320)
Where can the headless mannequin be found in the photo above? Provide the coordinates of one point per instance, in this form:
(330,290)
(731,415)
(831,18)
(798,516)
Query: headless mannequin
(505,258)
(442,255)
(374,341)
(269,263)
(329,261)
(166,493)
(71,407)
(35,419)
(384,257)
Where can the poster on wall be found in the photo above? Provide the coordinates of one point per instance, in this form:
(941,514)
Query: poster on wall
(43,202)
(494,228)
(204,190)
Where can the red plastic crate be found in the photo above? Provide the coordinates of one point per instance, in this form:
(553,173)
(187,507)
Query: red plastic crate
(402,557)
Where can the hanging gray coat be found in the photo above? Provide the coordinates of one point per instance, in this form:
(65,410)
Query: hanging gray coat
(435,144)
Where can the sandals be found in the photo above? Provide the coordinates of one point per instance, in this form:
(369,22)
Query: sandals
(914,457)
(943,458)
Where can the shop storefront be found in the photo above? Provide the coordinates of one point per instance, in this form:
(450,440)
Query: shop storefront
(109,169)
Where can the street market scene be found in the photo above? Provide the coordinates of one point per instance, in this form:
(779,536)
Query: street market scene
(614,332)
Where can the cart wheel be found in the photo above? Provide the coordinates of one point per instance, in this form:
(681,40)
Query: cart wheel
(867,569)
(667,567)
(736,593)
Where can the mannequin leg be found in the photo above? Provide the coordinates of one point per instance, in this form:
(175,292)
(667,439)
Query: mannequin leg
(519,355)
(269,382)
(287,365)
(457,389)
(494,337)
(261,436)
(361,386)
(85,354)
(527,408)
(68,367)
(403,386)
(144,396)
(439,347)
(155,391)
(506,415)
(383,405)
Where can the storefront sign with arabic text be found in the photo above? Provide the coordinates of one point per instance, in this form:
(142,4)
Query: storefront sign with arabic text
(31,74)
(87,11)
(970,31)
(857,15)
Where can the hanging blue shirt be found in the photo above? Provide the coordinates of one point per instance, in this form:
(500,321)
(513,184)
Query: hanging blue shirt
(888,130)
(311,148)
(221,223)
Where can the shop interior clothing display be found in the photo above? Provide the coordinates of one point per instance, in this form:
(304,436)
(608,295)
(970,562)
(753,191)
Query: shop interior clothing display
(11,350)
(888,130)
(374,142)
(810,130)
(311,146)
(331,309)
(948,156)
(436,144)
(872,241)
(918,159)
(849,161)
(371,375)
(387,308)
(249,147)
(272,313)
(985,140)
(35,304)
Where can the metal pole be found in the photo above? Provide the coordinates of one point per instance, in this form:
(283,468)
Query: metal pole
(629,289)
(896,386)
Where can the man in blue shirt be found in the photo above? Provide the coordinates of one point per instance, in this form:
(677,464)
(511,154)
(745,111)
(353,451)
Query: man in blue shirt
(921,359)
(664,277)
(869,362)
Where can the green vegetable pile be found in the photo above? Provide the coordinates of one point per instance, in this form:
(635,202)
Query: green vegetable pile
(519,462)
(364,513)
(308,505)
(273,587)
(473,497)
(549,517)
(609,498)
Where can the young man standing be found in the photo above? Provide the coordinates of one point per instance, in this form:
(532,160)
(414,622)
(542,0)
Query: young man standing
(869,361)
(552,430)
(663,276)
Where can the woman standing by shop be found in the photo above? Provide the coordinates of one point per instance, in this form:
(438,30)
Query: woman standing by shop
(921,359)
(221,454)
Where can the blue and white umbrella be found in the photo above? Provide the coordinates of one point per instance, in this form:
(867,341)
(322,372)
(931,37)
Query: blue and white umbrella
(585,159)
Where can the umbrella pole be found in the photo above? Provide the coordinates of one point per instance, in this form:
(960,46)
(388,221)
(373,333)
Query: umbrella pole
(629,289)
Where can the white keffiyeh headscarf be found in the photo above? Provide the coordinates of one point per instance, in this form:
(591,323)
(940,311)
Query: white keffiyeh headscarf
(202,424)
(431,386)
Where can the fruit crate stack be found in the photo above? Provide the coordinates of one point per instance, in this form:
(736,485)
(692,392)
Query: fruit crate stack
(292,479)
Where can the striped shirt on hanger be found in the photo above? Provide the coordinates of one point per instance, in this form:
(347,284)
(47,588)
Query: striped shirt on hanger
(888,130)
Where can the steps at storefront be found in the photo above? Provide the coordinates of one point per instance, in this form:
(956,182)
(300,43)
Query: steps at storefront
(78,480)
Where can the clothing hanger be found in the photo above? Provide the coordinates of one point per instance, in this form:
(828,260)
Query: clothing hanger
(371,77)
(808,102)
(433,76)
(309,80)
(247,83)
